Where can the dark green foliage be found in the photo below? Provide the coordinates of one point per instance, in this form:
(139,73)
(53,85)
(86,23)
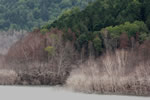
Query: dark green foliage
(127,35)
(97,45)
(122,16)
(27,14)
(132,29)
(82,40)
(102,13)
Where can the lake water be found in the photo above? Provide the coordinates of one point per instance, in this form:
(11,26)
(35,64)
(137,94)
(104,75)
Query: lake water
(53,93)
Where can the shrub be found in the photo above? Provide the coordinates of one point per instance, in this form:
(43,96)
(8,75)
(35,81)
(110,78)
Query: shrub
(50,50)
(38,77)
(43,31)
(112,74)
(8,77)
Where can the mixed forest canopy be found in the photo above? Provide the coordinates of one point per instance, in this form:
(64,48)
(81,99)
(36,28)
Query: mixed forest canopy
(27,14)
(114,17)
(103,24)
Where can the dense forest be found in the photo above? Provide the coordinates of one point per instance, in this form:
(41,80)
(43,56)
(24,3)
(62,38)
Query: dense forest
(103,47)
(131,17)
(28,14)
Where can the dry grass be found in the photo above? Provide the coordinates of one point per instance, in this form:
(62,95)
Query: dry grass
(110,74)
(8,77)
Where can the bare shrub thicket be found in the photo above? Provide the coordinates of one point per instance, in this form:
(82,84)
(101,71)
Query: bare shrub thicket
(144,51)
(7,39)
(29,48)
(8,77)
(42,59)
(53,72)
(117,73)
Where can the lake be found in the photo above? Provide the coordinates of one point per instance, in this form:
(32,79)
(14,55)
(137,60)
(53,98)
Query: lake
(54,93)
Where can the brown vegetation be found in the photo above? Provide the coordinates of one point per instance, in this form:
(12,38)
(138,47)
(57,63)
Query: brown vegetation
(27,49)
(48,59)
(1,61)
(118,73)
(42,59)
(124,41)
(32,47)
(8,38)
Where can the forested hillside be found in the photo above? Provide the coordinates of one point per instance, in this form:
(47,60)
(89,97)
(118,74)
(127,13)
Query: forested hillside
(102,48)
(103,13)
(115,16)
(27,14)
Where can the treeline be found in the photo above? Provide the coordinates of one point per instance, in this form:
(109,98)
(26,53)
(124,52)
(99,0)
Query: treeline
(27,14)
(116,17)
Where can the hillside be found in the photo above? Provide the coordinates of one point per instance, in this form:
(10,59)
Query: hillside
(116,17)
(28,14)
(103,48)
(103,13)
